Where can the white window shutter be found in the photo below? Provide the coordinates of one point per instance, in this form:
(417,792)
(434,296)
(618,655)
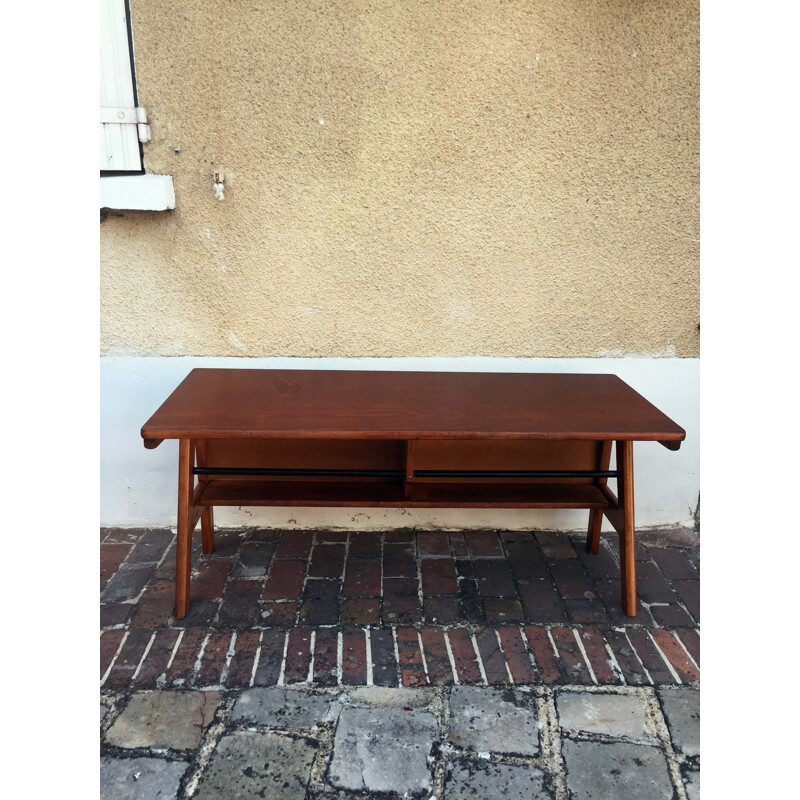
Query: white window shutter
(122,124)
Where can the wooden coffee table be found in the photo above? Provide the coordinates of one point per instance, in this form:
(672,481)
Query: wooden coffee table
(253,437)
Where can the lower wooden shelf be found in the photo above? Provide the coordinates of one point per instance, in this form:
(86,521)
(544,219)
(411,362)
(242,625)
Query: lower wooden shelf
(391,494)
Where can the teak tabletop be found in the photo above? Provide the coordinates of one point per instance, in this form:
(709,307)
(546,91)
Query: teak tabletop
(330,404)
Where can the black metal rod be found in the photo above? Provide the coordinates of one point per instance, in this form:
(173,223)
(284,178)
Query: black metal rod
(515,473)
(400,473)
(311,473)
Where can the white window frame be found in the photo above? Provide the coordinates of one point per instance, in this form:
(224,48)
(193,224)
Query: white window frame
(124,183)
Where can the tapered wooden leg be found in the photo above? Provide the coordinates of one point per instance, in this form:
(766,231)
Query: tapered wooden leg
(593,537)
(183,555)
(207,517)
(207,527)
(595,515)
(627,536)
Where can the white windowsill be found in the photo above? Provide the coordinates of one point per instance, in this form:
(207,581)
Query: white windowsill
(137,192)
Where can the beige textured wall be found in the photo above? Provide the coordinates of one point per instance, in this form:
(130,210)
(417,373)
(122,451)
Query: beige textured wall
(458,177)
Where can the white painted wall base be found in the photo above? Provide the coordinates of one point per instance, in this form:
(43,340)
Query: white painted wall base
(138,486)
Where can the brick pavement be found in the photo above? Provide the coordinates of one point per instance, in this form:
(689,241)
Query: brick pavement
(401,608)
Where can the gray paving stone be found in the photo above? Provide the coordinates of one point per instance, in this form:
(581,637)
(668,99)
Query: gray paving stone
(164,719)
(611,714)
(251,764)
(598,771)
(468,780)
(140,778)
(682,710)
(692,784)
(382,750)
(388,697)
(281,707)
(494,720)
(103,711)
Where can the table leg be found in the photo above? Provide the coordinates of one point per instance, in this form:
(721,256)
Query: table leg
(596,515)
(627,536)
(183,555)
(207,516)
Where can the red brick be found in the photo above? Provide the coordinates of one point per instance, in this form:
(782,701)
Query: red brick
(201,614)
(115,613)
(545,657)
(494,661)
(214,657)
(240,603)
(354,657)
(571,580)
(519,661)
(596,653)
(298,656)
(365,545)
(326,649)
(626,657)
(285,581)
(295,544)
(182,665)
(494,579)
(273,613)
(471,605)
(130,655)
(401,601)
(442,610)
(384,664)
(363,577)
(320,604)
(575,669)
(502,610)
(651,585)
(689,593)
(151,546)
(209,579)
(270,657)
(155,663)
(674,563)
(458,544)
(399,561)
(361,611)
(241,666)
(433,543)
(525,560)
(464,656)
(692,641)
(589,611)
(483,543)
(672,649)
(670,616)
(411,670)
(154,609)
(392,537)
(650,657)
(438,576)
(331,536)
(438,662)
(109,643)
(327,561)
(542,603)
(111,556)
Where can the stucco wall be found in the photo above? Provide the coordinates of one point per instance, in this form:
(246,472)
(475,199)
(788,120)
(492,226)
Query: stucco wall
(413,178)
